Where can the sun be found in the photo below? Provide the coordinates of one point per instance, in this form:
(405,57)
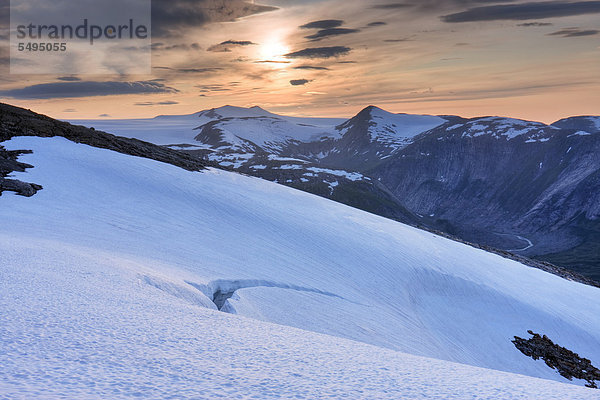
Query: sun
(274,51)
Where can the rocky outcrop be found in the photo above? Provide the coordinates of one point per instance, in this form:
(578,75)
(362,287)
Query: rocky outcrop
(16,121)
(9,164)
(567,363)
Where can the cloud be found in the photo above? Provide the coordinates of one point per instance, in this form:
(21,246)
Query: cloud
(86,89)
(399,40)
(173,17)
(69,79)
(69,110)
(299,82)
(312,67)
(257,76)
(212,88)
(432,6)
(392,6)
(320,52)
(198,70)
(377,23)
(104,115)
(528,24)
(323,24)
(524,11)
(159,103)
(176,46)
(187,71)
(226,46)
(271,62)
(574,32)
(4,14)
(325,33)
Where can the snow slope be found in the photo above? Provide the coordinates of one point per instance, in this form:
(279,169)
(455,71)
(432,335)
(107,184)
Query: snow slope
(108,272)
(78,323)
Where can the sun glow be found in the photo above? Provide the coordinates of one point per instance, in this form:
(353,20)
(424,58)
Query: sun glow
(274,51)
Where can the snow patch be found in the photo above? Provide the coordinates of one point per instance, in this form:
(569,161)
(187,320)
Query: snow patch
(353,176)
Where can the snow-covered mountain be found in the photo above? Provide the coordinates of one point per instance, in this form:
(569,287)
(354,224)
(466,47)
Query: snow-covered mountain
(517,185)
(114,274)
(254,129)
(520,186)
(374,135)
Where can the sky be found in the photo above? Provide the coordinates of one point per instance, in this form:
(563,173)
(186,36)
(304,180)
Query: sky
(536,60)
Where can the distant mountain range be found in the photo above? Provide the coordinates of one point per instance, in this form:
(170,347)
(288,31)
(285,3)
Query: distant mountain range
(521,186)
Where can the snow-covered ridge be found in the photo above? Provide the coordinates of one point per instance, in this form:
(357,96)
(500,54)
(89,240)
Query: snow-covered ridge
(241,125)
(507,128)
(586,124)
(266,132)
(362,277)
(237,126)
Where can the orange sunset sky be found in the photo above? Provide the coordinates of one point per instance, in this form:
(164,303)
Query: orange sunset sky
(532,60)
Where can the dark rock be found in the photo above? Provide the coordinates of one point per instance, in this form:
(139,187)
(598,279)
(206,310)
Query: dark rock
(9,164)
(21,188)
(569,364)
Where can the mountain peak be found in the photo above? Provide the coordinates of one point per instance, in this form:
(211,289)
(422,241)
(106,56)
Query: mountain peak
(367,111)
(229,111)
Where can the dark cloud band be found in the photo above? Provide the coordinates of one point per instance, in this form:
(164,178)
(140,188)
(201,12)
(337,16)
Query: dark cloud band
(392,6)
(320,52)
(323,24)
(299,82)
(535,24)
(158,103)
(325,33)
(525,11)
(226,46)
(86,89)
(311,67)
(575,32)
